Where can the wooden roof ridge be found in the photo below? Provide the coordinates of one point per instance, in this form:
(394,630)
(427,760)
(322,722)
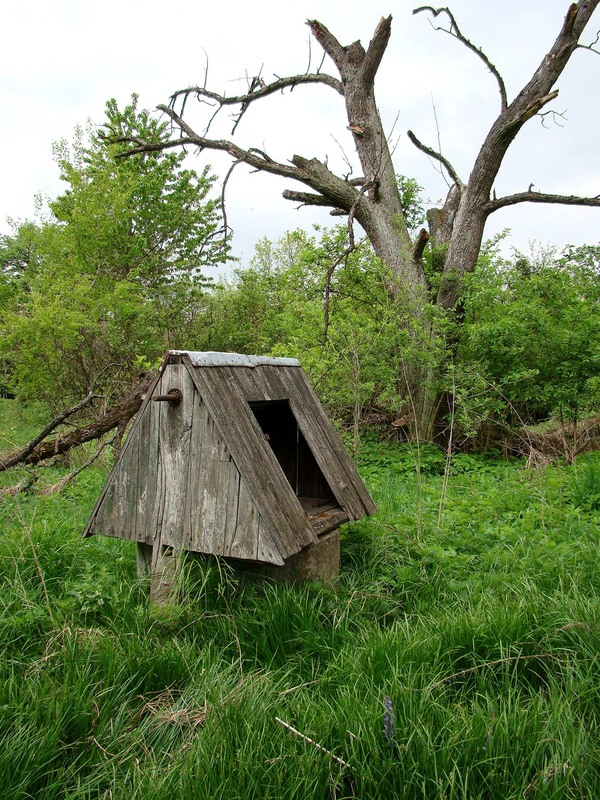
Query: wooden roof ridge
(211,358)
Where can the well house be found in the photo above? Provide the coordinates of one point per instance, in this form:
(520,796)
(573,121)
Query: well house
(233,455)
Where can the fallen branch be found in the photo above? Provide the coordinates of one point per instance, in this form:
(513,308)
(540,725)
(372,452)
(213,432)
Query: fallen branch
(22,486)
(66,480)
(563,440)
(39,450)
(315,744)
(21,456)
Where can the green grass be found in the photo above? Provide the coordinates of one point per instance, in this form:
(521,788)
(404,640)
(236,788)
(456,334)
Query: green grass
(471,601)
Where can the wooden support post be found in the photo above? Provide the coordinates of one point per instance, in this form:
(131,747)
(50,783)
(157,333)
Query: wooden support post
(315,562)
(319,561)
(161,564)
(165,572)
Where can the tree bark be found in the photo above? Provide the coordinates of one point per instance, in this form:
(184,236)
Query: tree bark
(380,214)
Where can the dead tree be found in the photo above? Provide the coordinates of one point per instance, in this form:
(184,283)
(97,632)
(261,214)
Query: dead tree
(374,200)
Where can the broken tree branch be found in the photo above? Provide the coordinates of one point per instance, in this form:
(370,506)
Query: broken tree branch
(437,156)
(320,747)
(420,244)
(258,90)
(376,49)
(67,479)
(118,416)
(21,456)
(541,197)
(457,34)
(312,172)
(307,198)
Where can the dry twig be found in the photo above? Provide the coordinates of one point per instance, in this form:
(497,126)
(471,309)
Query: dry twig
(320,747)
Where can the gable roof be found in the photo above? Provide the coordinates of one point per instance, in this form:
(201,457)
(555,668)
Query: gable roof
(202,473)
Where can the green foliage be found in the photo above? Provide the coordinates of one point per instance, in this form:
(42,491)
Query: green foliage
(119,261)
(412,202)
(298,299)
(585,487)
(530,344)
(18,263)
(525,345)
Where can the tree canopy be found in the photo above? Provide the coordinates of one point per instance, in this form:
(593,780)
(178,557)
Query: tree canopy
(109,276)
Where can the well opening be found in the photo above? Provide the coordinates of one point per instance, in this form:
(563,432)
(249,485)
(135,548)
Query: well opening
(282,432)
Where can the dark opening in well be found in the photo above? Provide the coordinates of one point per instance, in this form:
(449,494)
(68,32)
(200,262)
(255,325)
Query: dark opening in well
(279,425)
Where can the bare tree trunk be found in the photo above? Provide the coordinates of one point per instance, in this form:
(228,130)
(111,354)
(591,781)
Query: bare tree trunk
(373,199)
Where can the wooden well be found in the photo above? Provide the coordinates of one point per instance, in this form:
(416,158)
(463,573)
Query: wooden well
(233,455)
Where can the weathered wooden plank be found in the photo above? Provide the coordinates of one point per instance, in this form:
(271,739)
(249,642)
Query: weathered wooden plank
(174,445)
(266,549)
(265,480)
(231,520)
(121,521)
(102,522)
(140,450)
(192,533)
(245,538)
(327,447)
(197,479)
(210,482)
(222,498)
(116,514)
(267,383)
(92,526)
(133,495)
(328,520)
(155,476)
(255,384)
(183,447)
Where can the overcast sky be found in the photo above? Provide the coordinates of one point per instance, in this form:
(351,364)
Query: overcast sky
(62,59)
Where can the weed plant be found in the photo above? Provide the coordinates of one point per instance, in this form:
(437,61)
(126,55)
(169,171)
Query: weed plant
(457,659)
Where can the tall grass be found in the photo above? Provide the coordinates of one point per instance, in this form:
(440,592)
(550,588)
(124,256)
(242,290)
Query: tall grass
(456,660)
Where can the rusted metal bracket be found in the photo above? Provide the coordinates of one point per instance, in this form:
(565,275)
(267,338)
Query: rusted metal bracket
(173,397)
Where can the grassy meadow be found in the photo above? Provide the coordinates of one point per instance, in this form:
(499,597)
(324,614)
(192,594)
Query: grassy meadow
(458,658)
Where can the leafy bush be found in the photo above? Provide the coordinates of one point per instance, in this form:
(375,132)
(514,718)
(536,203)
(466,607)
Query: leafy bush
(112,274)
(530,344)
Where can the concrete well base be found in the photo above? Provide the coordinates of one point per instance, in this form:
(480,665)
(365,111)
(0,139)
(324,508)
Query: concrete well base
(162,565)
(316,562)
